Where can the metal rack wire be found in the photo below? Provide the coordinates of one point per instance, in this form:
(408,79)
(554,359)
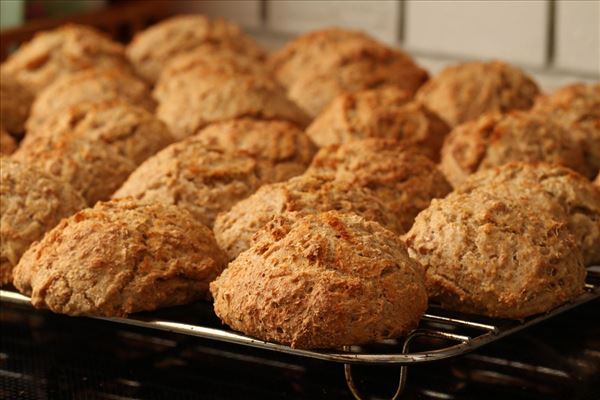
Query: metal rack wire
(455,334)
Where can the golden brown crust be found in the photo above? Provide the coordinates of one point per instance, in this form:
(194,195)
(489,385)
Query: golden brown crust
(7,143)
(577,108)
(384,113)
(463,92)
(93,85)
(495,255)
(328,280)
(203,180)
(15,101)
(210,57)
(281,149)
(63,51)
(319,51)
(401,178)
(32,203)
(131,131)
(154,47)
(94,169)
(496,139)
(118,258)
(597,181)
(576,195)
(212,97)
(315,89)
(294,199)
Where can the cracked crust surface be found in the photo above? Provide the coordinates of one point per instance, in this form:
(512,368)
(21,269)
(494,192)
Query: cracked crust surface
(15,102)
(281,149)
(328,280)
(294,199)
(32,203)
(93,85)
(463,92)
(495,255)
(576,195)
(7,143)
(118,258)
(131,131)
(496,139)
(577,108)
(63,51)
(151,49)
(384,113)
(93,168)
(190,175)
(401,178)
(210,97)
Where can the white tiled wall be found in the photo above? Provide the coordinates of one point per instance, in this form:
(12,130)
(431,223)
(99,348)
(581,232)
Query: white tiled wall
(380,18)
(557,41)
(578,35)
(510,30)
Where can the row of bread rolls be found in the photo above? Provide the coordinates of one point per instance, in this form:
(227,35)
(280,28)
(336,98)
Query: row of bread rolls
(324,251)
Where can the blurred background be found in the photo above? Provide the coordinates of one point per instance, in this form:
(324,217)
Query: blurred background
(557,41)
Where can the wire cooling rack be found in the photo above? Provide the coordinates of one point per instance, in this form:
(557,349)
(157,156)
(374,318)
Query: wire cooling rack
(452,334)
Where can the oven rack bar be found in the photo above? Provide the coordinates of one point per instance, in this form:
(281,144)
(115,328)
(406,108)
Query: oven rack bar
(464,332)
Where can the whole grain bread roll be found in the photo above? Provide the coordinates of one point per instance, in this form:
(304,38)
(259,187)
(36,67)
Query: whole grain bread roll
(7,143)
(384,113)
(318,51)
(32,202)
(328,280)
(15,102)
(188,174)
(496,255)
(118,258)
(576,195)
(294,199)
(151,49)
(131,131)
(315,89)
(466,91)
(93,168)
(281,149)
(209,57)
(210,97)
(92,85)
(401,178)
(577,108)
(496,139)
(65,50)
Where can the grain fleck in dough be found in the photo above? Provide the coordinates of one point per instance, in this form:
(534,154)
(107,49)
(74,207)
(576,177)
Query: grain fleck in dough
(151,49)
(496,139)
(293,200)
(328,280)
(68,49)
(576,195)
(32,202)
(466,91)
(118,258)
(384,113)
(404,180)
(495,255)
